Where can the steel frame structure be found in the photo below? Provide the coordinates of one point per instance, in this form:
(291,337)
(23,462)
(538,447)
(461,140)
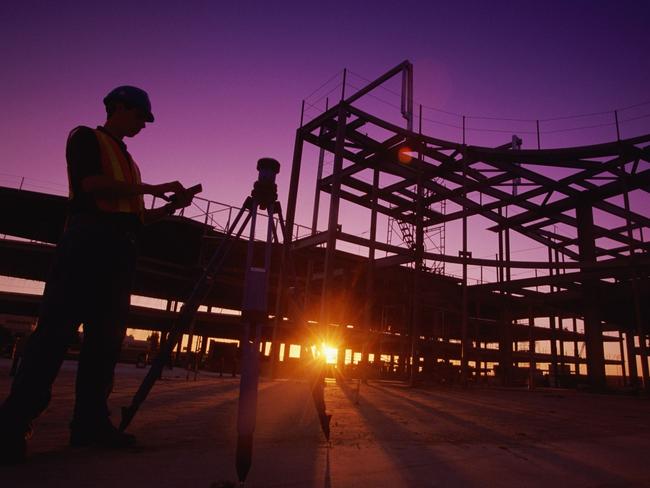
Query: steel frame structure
(598,266)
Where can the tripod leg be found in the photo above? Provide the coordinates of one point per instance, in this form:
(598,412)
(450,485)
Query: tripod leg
(185,319)
(254,316)
(317,379)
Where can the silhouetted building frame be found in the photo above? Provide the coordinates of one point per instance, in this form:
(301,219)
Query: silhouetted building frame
(595,272)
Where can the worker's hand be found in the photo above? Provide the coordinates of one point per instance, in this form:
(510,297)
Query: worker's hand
(171,187)
(182,200)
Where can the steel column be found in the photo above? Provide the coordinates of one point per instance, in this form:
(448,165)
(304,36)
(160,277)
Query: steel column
(332,225)
(631,359)
(591,313)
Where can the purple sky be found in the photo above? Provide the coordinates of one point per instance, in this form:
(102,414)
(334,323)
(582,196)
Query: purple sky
(226,78)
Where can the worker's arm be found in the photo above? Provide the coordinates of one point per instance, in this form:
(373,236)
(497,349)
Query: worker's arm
(103,185)
(180,200)
(86,175)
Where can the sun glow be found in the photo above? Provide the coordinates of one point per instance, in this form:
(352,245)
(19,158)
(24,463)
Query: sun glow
(330,353)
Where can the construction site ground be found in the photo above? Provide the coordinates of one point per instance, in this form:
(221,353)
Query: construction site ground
(388,436)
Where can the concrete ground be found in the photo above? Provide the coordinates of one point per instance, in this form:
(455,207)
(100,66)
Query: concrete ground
(393,437)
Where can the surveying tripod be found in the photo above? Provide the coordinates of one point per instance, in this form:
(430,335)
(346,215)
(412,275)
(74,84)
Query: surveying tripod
(254,311)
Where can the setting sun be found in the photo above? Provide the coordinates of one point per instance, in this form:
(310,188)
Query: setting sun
(329,353)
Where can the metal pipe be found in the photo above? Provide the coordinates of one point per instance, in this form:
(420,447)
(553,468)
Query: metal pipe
(370,271)
(620,343)
(552,323)
(643,349)
(463,130)
(532,366)
(408,73)
(645,371)
(319,176)
(293,187)
(576,353)
(332,225)
(371,86)
(631,359)
(464,345)
(419,248)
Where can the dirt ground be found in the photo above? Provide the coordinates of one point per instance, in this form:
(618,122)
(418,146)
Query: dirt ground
(392,436)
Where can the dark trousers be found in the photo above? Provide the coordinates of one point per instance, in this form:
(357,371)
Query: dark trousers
(90,284)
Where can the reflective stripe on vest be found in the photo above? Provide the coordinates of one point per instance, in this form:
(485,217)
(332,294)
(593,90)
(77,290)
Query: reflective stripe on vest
(118,165)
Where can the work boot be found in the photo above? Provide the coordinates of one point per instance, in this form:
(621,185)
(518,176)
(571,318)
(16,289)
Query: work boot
(13,444)
(103,434)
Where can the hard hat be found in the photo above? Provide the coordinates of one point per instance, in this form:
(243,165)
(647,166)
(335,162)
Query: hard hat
(131,96)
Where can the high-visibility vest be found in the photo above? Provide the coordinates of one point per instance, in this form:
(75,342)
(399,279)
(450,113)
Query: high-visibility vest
(118,165)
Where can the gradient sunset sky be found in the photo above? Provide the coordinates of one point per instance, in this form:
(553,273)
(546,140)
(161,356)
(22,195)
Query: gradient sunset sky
(226,79)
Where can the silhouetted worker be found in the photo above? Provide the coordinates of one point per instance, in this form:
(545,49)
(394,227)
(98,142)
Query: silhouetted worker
(90,281)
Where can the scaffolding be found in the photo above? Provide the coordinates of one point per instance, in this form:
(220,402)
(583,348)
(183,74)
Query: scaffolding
(596,274)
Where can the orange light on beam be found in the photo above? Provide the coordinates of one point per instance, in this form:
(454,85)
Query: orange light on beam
(404,155)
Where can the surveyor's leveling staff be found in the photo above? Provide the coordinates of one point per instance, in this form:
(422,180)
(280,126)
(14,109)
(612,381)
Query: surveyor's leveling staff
(254,315)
